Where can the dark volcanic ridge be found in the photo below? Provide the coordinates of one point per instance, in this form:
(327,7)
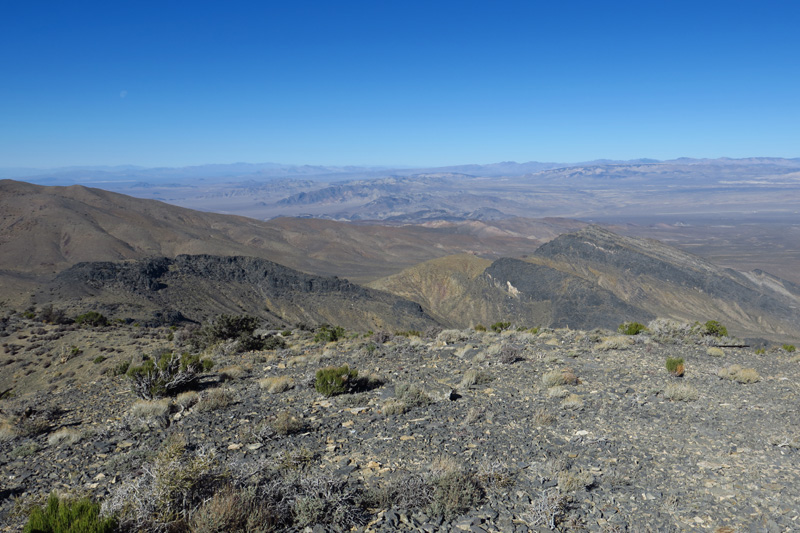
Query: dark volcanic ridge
(199,287)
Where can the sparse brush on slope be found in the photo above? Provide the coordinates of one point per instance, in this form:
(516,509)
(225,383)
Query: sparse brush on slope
(170,374)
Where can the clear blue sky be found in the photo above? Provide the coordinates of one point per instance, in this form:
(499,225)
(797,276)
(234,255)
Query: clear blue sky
(379,82)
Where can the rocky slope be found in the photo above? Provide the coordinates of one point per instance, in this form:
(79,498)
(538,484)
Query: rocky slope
(459,431)
(198,287)
(594,277)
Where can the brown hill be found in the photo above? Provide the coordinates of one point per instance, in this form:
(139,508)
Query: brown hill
(595,278)
(44,230)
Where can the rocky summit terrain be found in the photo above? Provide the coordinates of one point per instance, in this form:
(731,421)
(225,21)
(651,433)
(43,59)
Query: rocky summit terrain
(485,429)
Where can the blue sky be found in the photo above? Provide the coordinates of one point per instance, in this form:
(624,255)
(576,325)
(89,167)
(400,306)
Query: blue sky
(395,83)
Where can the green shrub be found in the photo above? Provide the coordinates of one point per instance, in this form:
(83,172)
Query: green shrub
(408,333)
(497,327)
(332,380)
(715,329)
(789,348)
(68,516)
(170,374)
(122,368)
(274,343)
(675,366)
(99,359)
(327,333)
(231,326)
(480,327)
(49,315)
(760,351)
(92,318)
(631,328)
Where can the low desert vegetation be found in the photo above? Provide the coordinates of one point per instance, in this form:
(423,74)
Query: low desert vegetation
(499,327)
(715,351)
(739,374)
(631,328)
(91,319)
(332,381)
(675,366)
(166,373)
(715,329)
(66,516)
(680,392)
(617,342)
(327,334)
(554,378)
(276,384)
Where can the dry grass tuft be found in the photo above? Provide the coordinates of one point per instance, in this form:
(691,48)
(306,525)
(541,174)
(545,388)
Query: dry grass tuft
(393,406)
(64,436)
(558,391)
(213,399)
(617,342)
(145,409)
(574,480)
(473,376)
(572,402)
(559,377)
(7,431)
(715,351)
(740,374)
(187,399)
(543,418)
(232,372)
(275,384)
(681,392)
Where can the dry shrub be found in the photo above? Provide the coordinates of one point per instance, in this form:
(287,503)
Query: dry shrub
(617,342)
(494,475)
(275,384)
(232,372)
(473,376)
(214,399)
(235,510)
(715,351)
(393,406)
(681,392)
(543,418)
(187,399)
(547,509)
(287,424)
(558,392)
(572,402)
(64,436)
(574,480)
(168,491)
(740,374)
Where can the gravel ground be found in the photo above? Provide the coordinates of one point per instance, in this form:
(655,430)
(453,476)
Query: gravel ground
(618,445)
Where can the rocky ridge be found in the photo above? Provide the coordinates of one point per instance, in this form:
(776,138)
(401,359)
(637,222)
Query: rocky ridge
(578,430)
(199,287)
